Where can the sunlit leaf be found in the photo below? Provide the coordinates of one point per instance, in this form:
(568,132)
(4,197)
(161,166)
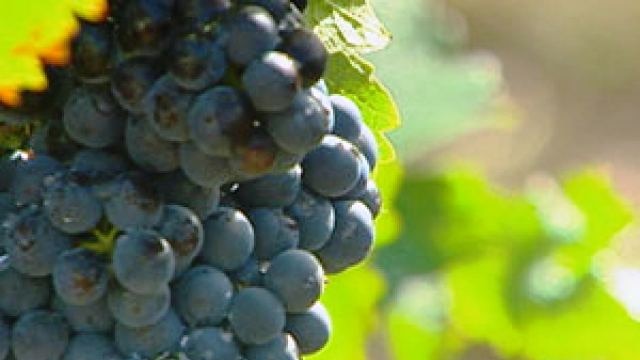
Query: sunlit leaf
(347,25)
(33,32)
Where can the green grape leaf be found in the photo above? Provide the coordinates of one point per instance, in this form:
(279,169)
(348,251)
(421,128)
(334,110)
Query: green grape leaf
(34,32)
(347,25)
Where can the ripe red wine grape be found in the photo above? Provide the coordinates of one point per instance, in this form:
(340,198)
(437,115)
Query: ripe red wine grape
(203,296)
(256,316)
(229,239)
(80,277)
(143,261)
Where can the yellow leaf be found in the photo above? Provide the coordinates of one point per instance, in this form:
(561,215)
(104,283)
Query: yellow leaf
(37,32)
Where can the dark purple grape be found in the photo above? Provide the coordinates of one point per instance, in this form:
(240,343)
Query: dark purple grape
(271,81)
(132,80)
(143,27)
(309,52)
(92,51)
(196,63)
(251,33)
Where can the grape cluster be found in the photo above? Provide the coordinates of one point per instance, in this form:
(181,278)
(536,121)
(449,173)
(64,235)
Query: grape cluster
(192,186)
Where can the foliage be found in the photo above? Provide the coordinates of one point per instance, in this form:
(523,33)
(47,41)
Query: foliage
(486,268)
(34,32)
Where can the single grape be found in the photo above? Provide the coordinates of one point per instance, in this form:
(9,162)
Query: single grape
(92,318)
(229,239)
(135,310)
(143,261)
(150,341)
(149,151)
(202,296)
(26,186)
(21,293)
(256,316)
(311,329)
(315,218)
(71,207)
(308,50)
(202,169)
(91,347)
(275,190)
(281,348)
(132,202)
(92,118)
(166,107)
(274,232)
(217,117)
(210,343)
(33,244)
(178,189)
(39,335)
(5,338)
(131,80)
(252,32)
(91,52)
(302,126)
(297,278)
(195,63)
(332,168)
(183,230)
(352,238)
(271,81)
(80,277)
(143,27)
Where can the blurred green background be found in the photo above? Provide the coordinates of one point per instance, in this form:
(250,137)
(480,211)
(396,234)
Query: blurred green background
(515,233)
